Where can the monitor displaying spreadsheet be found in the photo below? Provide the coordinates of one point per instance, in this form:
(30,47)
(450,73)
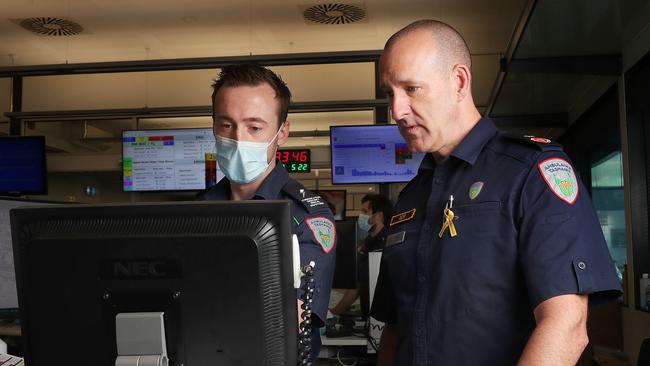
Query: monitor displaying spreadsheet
(169,160)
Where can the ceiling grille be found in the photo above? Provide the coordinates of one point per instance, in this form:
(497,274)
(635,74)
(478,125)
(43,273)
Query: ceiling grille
(334,14)
(51,26)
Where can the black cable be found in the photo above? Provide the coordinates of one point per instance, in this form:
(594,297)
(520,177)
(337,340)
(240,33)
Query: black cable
(307,297)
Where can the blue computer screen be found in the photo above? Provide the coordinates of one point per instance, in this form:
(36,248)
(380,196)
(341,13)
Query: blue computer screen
(371,154)
(22,165)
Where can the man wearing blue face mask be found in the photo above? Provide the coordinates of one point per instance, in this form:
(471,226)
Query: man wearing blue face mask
(373,220)
(250,106)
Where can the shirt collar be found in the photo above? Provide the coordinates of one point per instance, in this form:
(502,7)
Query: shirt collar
(273,183)
(472,145)
(221,191)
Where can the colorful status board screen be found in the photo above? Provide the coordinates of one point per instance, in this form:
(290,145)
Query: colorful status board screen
(168,160)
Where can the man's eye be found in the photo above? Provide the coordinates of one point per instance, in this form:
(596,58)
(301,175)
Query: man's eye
(412,89)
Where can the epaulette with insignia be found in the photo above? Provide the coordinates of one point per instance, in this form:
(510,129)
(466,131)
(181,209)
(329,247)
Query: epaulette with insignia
(308,199)
(541,143)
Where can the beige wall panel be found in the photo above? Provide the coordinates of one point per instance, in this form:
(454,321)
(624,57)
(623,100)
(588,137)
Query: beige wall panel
(5,100)
(330,81)
(322,121)
(120,90)
(186,87)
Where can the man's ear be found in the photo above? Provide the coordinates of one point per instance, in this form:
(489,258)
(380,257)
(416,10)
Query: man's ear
(380,216)
(462,81)
(283,135)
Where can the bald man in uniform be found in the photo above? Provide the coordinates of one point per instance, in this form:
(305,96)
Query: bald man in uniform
(494,249)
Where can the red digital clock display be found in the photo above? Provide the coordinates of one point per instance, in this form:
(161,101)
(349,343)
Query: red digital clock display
(295,160)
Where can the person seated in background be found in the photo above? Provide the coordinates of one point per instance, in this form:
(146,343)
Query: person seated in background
(375,213)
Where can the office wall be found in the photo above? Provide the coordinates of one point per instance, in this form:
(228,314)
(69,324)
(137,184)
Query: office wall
(330,81)
(186,87)
(5,104)
(70,186)
(117,90)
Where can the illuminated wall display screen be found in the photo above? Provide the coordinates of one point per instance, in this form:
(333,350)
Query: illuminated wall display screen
(169,160)
(295,160)
(371,154)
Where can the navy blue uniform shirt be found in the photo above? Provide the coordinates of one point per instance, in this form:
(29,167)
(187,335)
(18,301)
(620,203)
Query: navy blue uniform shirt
(306,207)
(526,231)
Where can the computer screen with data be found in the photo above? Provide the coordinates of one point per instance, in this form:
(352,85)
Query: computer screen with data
(371,154)
(169,160)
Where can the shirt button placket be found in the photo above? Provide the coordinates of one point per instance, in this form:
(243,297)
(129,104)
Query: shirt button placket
(425,244)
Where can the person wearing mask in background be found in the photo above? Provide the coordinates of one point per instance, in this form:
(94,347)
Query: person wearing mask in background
(375,211)
(250,106)
(494,247)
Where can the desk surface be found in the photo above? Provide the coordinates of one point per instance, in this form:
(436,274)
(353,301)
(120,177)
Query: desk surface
(344,341)
(10,329)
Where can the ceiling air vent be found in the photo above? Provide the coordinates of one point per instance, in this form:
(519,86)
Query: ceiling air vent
(334,14)
(51,26)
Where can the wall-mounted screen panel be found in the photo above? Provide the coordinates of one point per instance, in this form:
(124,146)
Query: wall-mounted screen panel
(169,160)
(22,165)
(371,154)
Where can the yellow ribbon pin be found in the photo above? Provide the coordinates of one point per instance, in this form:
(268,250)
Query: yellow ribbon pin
(448,220)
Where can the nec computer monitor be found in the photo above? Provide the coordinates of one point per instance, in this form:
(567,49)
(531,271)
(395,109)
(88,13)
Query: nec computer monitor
(220,271)
(371,154)
(22,165)
(167,160)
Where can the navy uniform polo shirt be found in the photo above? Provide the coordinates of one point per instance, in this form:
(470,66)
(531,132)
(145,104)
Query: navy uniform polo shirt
(526,231)
(307,210)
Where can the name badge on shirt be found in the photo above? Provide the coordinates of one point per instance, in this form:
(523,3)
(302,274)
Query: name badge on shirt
(402,217)
(394,239)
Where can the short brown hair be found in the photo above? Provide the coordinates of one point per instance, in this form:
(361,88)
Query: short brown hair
(250,74)
(379,203)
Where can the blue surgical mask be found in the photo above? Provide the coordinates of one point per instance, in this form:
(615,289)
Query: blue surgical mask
(243,162)
(362,223)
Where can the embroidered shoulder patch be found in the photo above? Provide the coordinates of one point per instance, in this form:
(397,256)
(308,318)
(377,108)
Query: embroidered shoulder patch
(560,178)
(324,232)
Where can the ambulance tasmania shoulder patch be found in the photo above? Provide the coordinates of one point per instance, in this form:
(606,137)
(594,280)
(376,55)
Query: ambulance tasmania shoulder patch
(560,178)
(324,232)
